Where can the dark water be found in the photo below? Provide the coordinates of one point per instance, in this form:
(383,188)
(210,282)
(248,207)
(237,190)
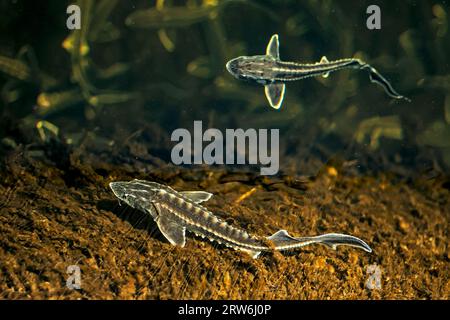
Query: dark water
(148,76)
(82,108)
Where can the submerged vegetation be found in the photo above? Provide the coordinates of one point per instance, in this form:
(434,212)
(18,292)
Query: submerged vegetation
(82,108)
(167,57)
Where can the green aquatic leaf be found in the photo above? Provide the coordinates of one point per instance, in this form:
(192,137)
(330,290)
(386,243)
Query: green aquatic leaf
(170,17)
(15,68)
(200,67)
(296,25)
(436,135)
(112,72)
(435,82)
(107,33)
(52,102)
(101,30)
(111,97)
(447,109)
(378,127)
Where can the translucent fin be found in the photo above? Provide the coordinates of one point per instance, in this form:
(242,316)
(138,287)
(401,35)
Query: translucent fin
(275,94)
(336,239)
(253,253)
(272,49)
(173,232)
(377,78)
(197,196)
(152,210)
(325,60)
(283,241)
(282,237)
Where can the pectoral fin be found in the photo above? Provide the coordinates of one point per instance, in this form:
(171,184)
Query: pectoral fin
(255,254)
(197,196)
(272,49)
(175,233)
(275,94)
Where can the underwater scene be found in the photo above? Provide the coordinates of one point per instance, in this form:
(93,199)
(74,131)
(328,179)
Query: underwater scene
(224,149)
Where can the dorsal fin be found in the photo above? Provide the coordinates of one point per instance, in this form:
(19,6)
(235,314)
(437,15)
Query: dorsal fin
(197,196)
(272,49)
(281,235)
(325,60)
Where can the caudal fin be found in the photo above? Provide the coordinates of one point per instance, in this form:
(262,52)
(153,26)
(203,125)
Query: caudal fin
(283,241)
(377,78)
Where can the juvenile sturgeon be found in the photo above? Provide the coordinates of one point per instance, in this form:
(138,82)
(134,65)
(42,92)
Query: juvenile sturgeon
(177,211)
(271,72)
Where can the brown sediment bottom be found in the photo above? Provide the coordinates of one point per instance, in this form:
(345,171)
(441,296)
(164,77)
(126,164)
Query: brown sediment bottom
(52,218)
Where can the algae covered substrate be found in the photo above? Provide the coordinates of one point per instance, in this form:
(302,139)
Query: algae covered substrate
(108,97)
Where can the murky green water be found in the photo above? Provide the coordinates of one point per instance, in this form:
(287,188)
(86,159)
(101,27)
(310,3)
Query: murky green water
(112,90)
(141,69)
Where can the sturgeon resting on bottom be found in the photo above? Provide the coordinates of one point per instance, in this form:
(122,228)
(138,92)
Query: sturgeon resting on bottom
(177,211)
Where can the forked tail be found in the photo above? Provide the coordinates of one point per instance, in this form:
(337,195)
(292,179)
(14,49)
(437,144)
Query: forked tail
(377,78)
(283,241)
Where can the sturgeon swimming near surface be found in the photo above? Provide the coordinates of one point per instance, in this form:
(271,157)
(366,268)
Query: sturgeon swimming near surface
(176,212)
(270,71)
